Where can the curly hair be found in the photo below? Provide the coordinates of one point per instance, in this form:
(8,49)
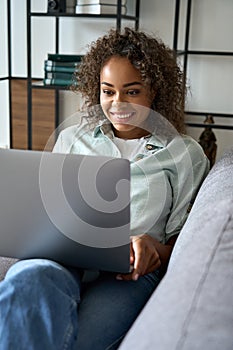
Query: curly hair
(155,61)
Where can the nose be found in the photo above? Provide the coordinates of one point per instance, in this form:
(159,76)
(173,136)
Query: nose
(118,97)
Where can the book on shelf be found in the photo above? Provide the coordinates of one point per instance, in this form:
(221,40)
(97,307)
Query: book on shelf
(50,63)
(58,82)
(100,9)
(57,57)
(50,66)
(59,69)
(100,2)
(58,75)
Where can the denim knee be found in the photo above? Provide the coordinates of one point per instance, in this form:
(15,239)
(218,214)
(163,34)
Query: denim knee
(32,266)
(43,272)
(38,302)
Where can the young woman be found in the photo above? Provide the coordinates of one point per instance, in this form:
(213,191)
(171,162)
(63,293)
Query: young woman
(134,94)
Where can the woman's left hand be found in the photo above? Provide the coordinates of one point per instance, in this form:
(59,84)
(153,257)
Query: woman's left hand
(144,257)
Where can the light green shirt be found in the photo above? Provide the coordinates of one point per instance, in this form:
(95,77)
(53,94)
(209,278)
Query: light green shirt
(165,176)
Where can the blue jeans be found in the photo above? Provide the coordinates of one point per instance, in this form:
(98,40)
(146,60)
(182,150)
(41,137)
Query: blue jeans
(44,305)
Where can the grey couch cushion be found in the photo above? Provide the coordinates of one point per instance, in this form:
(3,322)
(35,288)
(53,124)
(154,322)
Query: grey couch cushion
(219,183)
(192,309)
(217,186)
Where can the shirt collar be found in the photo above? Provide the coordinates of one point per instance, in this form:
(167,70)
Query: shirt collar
(104,128)
(157,140)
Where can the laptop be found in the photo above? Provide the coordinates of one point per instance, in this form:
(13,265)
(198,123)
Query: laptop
(73,209)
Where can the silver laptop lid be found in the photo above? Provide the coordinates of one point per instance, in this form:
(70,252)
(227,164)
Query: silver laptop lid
(73,209)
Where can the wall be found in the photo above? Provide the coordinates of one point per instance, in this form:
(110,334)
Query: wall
(210,78)
(4,88)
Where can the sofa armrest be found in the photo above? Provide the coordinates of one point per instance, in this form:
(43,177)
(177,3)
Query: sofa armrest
(5,264)
(192,306)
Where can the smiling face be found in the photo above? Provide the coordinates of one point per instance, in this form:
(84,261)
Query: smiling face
(124,98)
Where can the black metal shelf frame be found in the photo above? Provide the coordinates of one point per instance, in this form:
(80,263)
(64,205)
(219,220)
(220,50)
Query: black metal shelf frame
(205,53)
(186,52)
(119,17)
(211,126)
(213,114)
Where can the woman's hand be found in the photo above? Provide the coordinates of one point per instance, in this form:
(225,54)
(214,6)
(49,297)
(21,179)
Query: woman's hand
(143,257)
(146,255)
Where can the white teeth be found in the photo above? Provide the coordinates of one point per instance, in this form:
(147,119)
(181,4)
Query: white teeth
(122,115)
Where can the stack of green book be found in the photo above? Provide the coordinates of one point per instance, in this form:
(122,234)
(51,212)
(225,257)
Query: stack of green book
(59,69)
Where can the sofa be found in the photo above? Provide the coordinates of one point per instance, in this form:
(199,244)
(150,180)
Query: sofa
(192,308)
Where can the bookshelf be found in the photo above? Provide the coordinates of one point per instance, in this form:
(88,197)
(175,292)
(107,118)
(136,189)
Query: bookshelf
(186,53)
(33,84)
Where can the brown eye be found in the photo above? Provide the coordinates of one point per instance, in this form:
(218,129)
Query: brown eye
(107,92)
(133,92)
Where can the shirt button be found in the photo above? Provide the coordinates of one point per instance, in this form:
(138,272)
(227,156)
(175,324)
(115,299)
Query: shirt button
(150,147)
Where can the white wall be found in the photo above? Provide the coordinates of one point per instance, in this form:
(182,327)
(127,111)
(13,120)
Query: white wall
(210,77)
(4,90)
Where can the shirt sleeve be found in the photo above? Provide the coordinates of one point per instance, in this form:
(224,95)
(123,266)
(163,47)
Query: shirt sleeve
(65,140)
(191,167)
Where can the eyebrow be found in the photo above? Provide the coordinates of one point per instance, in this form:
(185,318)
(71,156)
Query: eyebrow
(125,85)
